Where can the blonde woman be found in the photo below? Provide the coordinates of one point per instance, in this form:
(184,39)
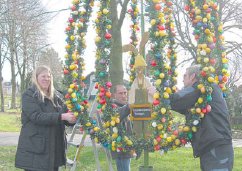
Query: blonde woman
(42,140)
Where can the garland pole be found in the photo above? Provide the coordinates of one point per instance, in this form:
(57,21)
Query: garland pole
(146,152)
(142,24)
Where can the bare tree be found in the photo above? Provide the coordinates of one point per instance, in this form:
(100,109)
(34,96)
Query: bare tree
(231,12)
(3,55)
(235,68)
(230,15)
(31,38)
(10,19)
(23,21)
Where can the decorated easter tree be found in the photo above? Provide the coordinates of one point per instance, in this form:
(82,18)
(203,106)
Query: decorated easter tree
(164,134)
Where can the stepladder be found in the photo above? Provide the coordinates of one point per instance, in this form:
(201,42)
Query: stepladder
(77,144)
(78,139)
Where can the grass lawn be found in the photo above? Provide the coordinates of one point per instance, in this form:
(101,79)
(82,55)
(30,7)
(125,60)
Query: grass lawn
(177,160)
(9,122)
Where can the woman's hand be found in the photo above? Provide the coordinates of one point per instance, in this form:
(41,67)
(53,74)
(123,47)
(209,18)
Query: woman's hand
(69,117)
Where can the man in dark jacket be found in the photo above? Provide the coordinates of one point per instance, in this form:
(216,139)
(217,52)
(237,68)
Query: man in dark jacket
(212,142)
(120,99)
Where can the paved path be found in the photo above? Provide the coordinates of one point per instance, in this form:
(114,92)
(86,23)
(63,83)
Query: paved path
(11,138)
(237,142)
(8,138)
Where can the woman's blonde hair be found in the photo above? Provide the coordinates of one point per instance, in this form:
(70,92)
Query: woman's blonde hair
(41,93)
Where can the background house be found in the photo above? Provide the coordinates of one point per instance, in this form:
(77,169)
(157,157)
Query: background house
(7,88)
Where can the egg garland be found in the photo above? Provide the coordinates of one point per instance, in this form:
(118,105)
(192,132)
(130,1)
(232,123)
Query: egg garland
(204,33)
(171,53)
(133,12)
(117,141)
(74,66)
(222,73)
(103,43)
(164,67)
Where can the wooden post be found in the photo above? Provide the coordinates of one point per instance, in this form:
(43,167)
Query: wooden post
(146,152)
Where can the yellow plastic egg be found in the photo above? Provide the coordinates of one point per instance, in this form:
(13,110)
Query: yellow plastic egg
(169,139)
(96,129)
(129,142)
(200,100)
(186,128)
(114,135)
(156,95)
(105,11)
(153,22)
(162,75)
(210,79)
(163,110)
(177,142)
(158,82)
(166,95)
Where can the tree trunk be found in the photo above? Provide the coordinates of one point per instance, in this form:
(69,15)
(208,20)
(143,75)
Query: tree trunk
(23,73)
(13,83)
(1,90)
(116,67)
(13,80)
(116,64)
(1,77)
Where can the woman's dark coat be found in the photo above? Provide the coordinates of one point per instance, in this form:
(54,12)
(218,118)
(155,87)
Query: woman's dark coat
(42,140)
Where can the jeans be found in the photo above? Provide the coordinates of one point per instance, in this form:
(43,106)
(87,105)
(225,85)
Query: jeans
(220,158)
(123,164)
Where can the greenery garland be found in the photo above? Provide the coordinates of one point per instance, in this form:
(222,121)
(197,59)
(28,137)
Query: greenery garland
(204,33)
(222,73)
(134,13)
(110,117)
(163,64)
(74,63)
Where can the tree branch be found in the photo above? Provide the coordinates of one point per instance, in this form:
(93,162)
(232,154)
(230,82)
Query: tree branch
(123,13)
